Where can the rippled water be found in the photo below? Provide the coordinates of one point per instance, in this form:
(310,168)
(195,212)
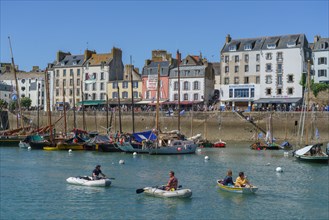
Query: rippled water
(33,185)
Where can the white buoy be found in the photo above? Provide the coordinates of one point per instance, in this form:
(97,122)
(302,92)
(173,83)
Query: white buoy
(29,148)
(268,164)
(199,150)
(134,153)
(70,150)
(279,169)
(121,161)
(206,158)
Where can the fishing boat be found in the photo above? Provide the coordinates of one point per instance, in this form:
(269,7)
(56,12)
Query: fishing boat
(160,192)
(312,153)
(138,142)
(88,181)
(101,143)
(243,190)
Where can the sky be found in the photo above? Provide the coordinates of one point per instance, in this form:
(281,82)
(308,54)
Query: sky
(39,29)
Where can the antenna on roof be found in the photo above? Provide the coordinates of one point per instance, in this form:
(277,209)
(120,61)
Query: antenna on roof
(87,45)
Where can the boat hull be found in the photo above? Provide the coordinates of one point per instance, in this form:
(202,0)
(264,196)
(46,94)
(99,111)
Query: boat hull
(180,193)
(241,190)
(178,149)
(87,181)
(129,148)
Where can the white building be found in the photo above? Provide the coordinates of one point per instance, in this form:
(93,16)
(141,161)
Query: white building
(320,49)
(264,71)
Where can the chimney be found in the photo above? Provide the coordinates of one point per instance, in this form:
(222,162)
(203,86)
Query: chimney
(35,69)
(228,38)
(88,54)
(61,55)
(316,38)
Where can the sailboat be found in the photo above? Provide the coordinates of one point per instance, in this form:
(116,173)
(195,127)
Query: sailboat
(171,142)
(310,152)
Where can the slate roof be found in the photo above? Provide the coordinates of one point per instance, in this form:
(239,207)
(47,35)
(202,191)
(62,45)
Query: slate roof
(70,59)
(22,75)
(262,43)
(322,42)
(97,59)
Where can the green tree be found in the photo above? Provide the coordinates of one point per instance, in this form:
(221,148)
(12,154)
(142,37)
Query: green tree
(12,106)
(3,104)
(26,102)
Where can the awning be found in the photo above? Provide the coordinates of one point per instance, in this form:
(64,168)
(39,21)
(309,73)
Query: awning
(277,100)
(92,102)
(149,102)
(183,102)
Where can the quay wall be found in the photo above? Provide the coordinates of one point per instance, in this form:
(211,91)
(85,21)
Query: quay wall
(227,126)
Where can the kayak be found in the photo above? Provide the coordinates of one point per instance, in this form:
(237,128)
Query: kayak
(244,190)
(179,193)
(88,181)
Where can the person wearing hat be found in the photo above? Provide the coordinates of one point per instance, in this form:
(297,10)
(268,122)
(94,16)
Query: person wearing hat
(96,172)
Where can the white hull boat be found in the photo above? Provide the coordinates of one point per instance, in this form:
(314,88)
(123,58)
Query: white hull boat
(179,193)
(88,181)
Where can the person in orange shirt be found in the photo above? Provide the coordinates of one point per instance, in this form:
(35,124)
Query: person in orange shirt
(241,181)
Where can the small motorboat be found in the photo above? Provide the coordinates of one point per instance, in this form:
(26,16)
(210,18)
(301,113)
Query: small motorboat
(244,190)
(160,192)
(220,144)
(88,181)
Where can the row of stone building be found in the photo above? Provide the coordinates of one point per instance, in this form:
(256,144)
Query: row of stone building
(262,71)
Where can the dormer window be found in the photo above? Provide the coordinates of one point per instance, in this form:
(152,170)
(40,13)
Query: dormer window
(62,63)
(271,46)
(74,62)
(247,47)
(232,48)
(291,44)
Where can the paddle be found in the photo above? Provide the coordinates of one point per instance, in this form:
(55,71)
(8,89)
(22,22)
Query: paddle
(138,191)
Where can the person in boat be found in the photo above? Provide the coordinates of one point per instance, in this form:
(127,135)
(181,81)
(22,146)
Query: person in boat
(228,181)
(241,181)
(96,173)
(172,183)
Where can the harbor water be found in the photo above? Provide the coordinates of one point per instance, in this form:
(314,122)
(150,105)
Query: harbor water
(33,185)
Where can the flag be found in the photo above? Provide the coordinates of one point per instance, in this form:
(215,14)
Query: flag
(317,135)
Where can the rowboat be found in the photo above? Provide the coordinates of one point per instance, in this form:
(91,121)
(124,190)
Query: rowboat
(88,181)
(244,190)
(159,192)
(220,144)
(312,153)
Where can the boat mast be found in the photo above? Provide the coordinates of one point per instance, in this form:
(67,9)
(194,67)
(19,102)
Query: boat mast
(38,106)
(48,106)
(64,109)
(178,79)
(158,96)
(17,90)
(74,116)
(308,95)
(119,102)
(132,94)
(83,105)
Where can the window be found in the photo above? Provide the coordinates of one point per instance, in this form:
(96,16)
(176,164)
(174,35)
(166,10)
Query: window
(196,85)
(102,96)
(279,92)
(290,78)
(236,80)
(246,58)
(257,57)
(57,92)
(230,93)
(102,75)
(290,91)
(232,48)
(94,86)
(236,69)
(71,92)
(125,95)
(102,86)
(185,97)
(94,96)
(64,73)
(135,84)
(86,87)
(252,92)
(78,92)
(71,82)
(195,96)
(78,72)
(246,80)
(135,94)
(268,91)
(257,68)
(186,86)
(236,59)
(279,68)
(257,79)
(78,82)
(71,72)
(226,69)
(94,76)
(147,94)
(268,79)
(241,93)
(291,44)
(247,47)
(226,80)
(279,56)
(268,56)
(279,80)
(57,73)
(176,86)
(322,73)
(115,85)
(57,82)
(322,60)
(64,92)
(246,68)
(226,59)
(268,67)
(271,46)
(64,82)
(114,95)
(175,97)
(125,84)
